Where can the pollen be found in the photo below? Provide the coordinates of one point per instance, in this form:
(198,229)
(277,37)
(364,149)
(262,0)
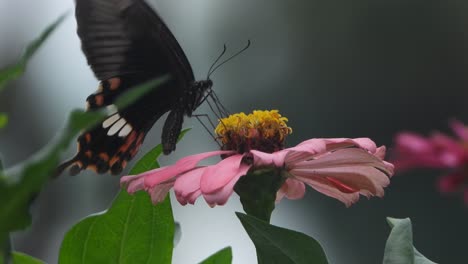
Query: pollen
(261,130)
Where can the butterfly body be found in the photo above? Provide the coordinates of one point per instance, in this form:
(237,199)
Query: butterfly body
(126,44)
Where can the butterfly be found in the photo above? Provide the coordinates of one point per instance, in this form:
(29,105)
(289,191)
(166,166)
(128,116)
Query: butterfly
(126,43)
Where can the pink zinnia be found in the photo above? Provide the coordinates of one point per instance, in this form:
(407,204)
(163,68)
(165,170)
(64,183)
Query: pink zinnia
(341,168)
(438,151)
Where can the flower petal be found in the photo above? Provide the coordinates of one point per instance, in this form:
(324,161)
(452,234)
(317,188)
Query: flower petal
(193,197)
(438,151)
(157,176)
(345,158)
(451,152)
(133,183)
(412,142)
(459,129)
(188,184)
(325,187)
(217,176)
(338,143)
(304,150)
(452,182)
(159,192)
(275,159)
(317,146)
(221,196)
(292,189)
(380,152)
(350,169)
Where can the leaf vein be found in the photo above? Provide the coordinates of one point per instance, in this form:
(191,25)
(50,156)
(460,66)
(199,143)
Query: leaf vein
(124,234)
(85,245)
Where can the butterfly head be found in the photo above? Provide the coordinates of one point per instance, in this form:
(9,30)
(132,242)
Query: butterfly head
(195,96)
(204,85)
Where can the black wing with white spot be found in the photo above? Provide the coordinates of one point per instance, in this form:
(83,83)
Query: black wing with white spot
(126,43)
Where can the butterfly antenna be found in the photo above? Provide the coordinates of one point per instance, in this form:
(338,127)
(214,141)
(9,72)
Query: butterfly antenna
(216,61)
(228,59)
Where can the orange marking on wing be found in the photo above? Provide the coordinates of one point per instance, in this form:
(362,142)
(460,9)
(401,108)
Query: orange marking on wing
(92,167)
(88,137)
(88,154)
(99,99)
(140,139)
(134,151)
(104,156)
(128,142)
(138,143)
(79,163)
(114,83)
(113,160)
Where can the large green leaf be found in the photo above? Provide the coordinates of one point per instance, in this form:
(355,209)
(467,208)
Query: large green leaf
(399,248)
(279,245)
(224,256)
(19,187)
(133,230)
(13,72)
(21,258)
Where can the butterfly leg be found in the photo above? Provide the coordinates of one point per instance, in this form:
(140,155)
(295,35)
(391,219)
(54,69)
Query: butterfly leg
(171,130)
(198,117)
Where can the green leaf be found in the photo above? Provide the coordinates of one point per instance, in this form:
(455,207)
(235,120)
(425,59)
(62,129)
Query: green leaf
(5,250)
(224,256)
(399,247)
(21,258)
(18,189)
(13,72)
(279,245)
(133,230)
(3,120)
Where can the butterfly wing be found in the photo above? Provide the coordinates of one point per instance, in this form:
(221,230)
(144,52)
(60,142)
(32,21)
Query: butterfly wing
(126,43)
(127,36)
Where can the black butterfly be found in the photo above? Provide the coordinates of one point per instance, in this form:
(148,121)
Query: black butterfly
(126,43)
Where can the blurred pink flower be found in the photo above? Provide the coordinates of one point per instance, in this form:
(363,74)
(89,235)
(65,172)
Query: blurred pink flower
(341,168)
(437,151)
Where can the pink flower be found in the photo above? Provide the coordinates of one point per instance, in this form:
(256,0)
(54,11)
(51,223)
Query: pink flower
(438,151)
(341,168)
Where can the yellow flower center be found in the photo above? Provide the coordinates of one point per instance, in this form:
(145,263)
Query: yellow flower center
(261,130)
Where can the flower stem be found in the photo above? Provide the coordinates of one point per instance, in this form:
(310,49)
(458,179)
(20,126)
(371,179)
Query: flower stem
(257,191)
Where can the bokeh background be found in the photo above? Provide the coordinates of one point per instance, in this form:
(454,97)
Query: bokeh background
(336,68)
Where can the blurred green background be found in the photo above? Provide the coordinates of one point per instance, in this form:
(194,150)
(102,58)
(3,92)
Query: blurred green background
(335,68)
